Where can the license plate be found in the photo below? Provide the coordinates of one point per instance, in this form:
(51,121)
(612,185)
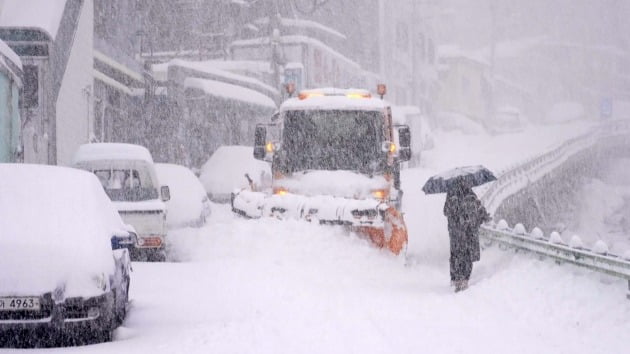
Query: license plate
(19,304)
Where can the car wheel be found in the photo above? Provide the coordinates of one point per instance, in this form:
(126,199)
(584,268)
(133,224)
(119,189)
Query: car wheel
(121,304)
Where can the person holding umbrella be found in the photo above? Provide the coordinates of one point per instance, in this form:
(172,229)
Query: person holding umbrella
(465,214)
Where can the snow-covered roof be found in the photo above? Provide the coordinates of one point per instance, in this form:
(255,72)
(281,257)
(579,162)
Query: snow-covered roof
(218,71)
(337,101)
(39,14)
(296,40)
(304,24)
(451,51)
(229,91)
(111,151)
(160,71)
(10,54)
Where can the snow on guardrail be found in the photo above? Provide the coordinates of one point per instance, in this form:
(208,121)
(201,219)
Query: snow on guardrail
(596,258)
(573,251)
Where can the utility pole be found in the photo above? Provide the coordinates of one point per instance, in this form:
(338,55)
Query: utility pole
(275,45)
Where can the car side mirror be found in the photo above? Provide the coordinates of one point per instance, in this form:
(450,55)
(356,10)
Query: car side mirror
(404,140)
(166,193)
(260,140)
(124,241)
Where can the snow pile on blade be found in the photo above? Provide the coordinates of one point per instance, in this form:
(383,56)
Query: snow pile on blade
(347,184)
(323,209)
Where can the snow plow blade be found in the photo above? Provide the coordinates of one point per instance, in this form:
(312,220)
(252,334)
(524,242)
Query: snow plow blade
(379,221)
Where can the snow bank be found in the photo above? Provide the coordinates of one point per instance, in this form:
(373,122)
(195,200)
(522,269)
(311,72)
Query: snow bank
(187,194)
(225,171)
(564,111)
(42,14)
(56,227)
(455,121)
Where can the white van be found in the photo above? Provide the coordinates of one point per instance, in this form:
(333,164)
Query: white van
(128,176)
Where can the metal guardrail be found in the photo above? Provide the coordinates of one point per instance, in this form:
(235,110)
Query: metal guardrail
(604,263)
(520,176)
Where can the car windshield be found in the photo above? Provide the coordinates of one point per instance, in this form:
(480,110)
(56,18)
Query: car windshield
(332,140)
(125,185)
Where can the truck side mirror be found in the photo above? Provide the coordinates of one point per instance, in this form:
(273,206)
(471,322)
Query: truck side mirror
(404,140)
(166,193)
(260,138)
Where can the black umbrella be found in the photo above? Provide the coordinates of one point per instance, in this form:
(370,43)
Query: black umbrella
(473,176)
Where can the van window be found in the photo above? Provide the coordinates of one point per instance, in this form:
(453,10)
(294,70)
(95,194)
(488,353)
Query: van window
(125,185)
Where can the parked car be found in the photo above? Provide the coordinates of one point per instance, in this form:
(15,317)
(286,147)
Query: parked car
(507,119)
(225,171)
(127,174)
(60,276)
(189,204)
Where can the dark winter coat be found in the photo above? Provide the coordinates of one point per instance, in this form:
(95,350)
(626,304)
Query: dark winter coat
(465,214)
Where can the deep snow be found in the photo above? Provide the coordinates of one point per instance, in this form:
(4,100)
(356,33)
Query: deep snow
(267,286)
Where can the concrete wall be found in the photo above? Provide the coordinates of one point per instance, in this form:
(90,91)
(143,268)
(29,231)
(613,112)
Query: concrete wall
(74,113)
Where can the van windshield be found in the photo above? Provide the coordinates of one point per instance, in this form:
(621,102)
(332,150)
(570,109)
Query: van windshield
(125,185)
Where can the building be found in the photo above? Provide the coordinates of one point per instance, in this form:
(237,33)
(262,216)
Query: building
(464,86)
(56,50)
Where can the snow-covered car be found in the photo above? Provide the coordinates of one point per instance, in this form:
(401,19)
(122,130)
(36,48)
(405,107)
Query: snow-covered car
(189,204)
(127,173)
(59,272)
(226,170)
(507,119)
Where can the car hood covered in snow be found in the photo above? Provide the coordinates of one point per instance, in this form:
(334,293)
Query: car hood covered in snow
(56,227)
(346,184)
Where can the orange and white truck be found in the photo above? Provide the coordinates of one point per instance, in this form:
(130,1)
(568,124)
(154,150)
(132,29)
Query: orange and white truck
(335,157)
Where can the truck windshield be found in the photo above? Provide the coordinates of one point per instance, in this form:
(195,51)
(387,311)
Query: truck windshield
(332,140)
(125,185)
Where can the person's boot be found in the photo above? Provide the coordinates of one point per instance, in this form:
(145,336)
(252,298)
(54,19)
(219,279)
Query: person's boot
(461,285)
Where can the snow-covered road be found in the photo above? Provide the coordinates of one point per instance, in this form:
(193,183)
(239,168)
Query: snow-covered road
(266,286)
(261,287)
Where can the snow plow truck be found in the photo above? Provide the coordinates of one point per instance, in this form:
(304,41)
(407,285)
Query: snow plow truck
(335,158)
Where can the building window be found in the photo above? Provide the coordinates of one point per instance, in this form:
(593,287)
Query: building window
(31,86)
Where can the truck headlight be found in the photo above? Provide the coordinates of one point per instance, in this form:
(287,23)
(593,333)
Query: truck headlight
(380,194)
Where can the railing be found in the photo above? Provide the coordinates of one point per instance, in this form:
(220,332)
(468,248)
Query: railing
(518,177)
(597,258)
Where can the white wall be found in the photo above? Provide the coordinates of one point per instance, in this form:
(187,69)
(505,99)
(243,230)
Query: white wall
(72,112)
